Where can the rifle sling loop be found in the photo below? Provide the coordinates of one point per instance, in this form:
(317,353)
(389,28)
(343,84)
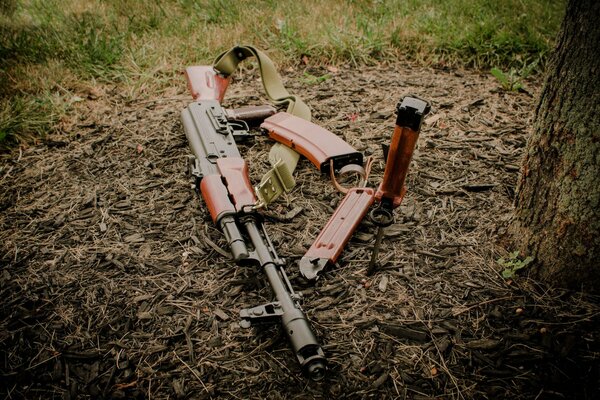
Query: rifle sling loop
(283,160)
(351,169)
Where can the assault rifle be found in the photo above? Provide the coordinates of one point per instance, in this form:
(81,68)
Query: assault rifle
(222,180)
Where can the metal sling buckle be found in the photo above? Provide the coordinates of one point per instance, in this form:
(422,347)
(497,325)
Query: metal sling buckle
(275,182)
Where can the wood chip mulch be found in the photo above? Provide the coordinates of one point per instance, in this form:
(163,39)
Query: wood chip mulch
(115,283)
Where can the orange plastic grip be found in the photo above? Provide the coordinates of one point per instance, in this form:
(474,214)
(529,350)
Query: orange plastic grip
(205,84)
(400,153)
(311,140)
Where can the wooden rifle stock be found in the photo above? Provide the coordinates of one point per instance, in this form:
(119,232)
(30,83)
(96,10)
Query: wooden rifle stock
(205,84)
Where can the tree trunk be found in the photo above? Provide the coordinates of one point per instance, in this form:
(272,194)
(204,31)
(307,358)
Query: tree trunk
(558,194)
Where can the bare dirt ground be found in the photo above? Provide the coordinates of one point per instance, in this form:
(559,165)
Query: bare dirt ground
(113,283)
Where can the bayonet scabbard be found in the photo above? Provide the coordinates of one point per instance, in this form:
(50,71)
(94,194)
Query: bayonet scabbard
(336,233)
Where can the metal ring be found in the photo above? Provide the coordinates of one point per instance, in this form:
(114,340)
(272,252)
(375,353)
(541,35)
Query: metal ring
(381,216)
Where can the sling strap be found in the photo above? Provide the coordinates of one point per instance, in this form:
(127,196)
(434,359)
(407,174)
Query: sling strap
(283,160)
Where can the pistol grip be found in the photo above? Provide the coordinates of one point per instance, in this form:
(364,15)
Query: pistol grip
(336,233)
(251,115)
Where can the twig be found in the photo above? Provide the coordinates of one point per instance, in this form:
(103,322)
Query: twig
(193,373)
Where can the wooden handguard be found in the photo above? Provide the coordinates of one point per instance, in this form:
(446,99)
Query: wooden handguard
(336,233)
(229,192)
(205,84)
(312,141)
(216,196)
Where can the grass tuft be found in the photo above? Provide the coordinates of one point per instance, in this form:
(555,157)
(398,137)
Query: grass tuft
(100,46)
(27,118)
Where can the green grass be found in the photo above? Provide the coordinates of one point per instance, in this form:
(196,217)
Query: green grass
(25,118)
(50,48)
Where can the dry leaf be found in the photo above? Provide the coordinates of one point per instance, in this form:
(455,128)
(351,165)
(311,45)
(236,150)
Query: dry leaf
(433,119)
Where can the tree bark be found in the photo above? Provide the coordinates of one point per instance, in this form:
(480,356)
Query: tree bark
(557,216)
